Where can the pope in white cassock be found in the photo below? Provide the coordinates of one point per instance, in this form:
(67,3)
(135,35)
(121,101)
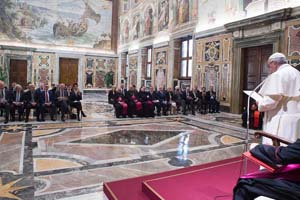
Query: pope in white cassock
(281,99)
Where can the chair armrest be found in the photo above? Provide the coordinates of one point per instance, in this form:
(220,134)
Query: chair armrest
(275,139)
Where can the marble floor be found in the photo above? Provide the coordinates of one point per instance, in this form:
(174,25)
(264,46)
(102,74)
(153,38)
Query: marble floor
(71,160)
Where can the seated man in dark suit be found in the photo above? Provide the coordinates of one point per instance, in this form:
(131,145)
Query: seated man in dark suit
(284,184)
(17,102)
(62,100)
(5,98)
(163,100)
(213,103)
(188,97)
(46,100)
(30,102)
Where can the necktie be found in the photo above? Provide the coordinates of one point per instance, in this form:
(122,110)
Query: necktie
(18,97)
(1,94)
(46,96)
(32,97)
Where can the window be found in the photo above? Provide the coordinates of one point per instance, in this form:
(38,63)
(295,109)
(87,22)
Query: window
(186,66)
(149,63)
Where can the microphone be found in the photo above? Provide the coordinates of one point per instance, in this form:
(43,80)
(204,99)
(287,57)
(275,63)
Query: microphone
(248,113)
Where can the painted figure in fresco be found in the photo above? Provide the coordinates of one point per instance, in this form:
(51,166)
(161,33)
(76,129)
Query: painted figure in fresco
(126,30)
(89,79)
(136,27)
(163,15)
(183,11)
(148,21)
(109,78)
(160,78)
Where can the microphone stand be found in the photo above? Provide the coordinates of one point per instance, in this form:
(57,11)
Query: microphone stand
(247,130)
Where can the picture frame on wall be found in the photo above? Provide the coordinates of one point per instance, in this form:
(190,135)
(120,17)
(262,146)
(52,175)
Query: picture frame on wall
(185,83)
(147,84)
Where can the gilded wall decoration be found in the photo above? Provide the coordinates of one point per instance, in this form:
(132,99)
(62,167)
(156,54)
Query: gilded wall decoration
(43,68)
(292,42)
(80,23)
(212,51)
(132,74)
(100,73)
(212,75)
(214,54)
(161,58)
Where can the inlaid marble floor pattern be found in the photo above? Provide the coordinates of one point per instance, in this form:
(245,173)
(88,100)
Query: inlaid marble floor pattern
(71,160)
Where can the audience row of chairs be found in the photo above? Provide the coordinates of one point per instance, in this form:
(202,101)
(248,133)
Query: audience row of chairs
(143,103)
(43,100)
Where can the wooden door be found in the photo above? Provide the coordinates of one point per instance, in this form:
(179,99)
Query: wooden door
(256,66)
(18,72)
(68,70)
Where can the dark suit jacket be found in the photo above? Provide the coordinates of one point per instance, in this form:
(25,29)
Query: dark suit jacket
(14,96)
(28,97)
(42,97)
(75,97)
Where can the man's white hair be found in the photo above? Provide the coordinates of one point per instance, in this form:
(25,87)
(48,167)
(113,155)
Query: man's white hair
(278,58)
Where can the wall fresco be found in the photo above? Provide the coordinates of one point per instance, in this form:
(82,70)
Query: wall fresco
(80,23)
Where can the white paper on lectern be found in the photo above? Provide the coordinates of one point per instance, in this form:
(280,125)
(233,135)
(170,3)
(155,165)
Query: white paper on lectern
(254,95)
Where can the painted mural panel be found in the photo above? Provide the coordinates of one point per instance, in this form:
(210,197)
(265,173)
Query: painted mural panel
(82,23)
(148,24)
(160,68)
(163,14)
(292,42)
(100,72)
(133,69)
(136,27)
(43,68)
(184,11)
(214,65)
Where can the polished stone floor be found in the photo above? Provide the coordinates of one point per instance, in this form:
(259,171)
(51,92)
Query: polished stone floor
(71,160)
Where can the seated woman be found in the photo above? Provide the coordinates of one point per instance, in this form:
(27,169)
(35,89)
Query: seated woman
(112,95)
(120,105)
(283,184)
(74,99)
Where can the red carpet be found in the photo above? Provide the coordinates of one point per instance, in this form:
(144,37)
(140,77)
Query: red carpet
(192,183)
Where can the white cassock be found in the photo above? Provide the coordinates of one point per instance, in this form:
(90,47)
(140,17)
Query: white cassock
(281,103)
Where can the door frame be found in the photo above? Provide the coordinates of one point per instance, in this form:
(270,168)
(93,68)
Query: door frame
(28,59)
(80,67)
(238,68)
